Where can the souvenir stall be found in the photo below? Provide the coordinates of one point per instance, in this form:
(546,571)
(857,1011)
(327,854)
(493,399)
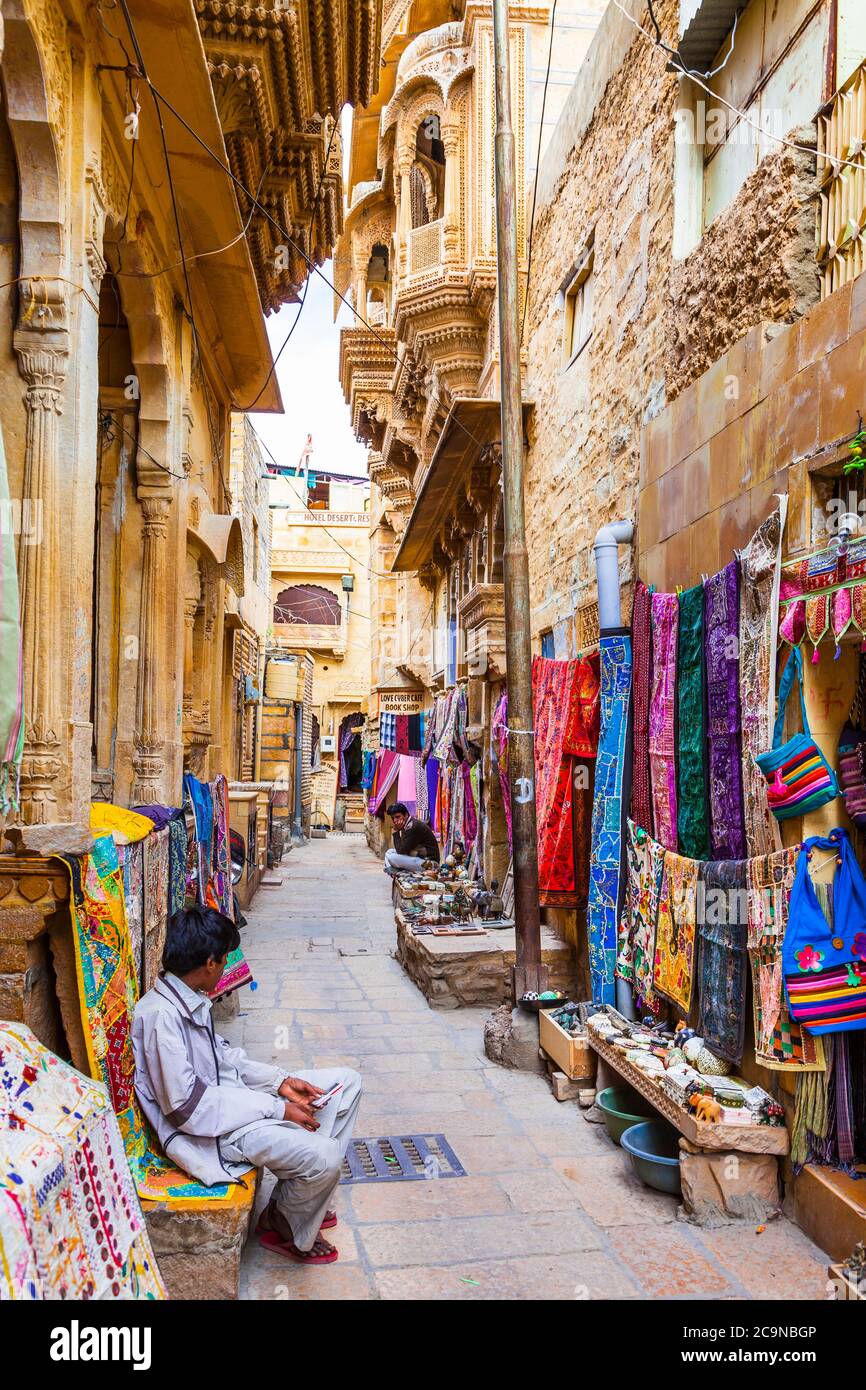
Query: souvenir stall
(729,953)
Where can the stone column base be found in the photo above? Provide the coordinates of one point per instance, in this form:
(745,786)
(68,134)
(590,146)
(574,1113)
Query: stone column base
(199,1250)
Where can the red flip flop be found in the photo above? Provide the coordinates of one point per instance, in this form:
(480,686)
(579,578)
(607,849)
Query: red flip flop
(329,1222)
(271,1241)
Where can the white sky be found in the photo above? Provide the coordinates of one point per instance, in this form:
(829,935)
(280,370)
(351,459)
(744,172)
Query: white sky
(310,385)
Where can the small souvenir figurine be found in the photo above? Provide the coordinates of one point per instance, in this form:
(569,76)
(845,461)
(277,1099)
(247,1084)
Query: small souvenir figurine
(707,1110)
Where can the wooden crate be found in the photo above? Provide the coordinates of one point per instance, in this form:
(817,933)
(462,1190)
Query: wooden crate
(574,1056)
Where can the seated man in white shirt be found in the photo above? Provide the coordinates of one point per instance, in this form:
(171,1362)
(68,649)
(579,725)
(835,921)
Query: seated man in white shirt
(216,1112)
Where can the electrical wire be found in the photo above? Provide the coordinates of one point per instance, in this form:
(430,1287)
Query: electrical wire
(835,160)
(400,361)
(674,54)
(537,168)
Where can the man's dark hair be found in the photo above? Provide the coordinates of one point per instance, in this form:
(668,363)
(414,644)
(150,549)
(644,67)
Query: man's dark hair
(398,809)
(195,936)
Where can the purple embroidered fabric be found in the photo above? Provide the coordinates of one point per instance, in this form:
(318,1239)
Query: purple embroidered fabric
(721,639)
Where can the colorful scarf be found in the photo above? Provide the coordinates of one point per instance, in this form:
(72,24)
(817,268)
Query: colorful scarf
(693,822)
(641,621)
(388,768)
(108,994)
(155,913)
(499,756)
(780,1042)
(11,664)
(662,714)
(722,924)
(674,965)
(645,865)
(760,569)
(564,704)
(131,860)
(608,813)
(71,1226)
(721,639)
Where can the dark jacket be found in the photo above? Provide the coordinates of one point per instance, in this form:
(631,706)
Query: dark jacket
(416,837)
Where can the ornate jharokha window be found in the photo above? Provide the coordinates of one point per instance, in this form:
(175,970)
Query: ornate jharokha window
(307,603)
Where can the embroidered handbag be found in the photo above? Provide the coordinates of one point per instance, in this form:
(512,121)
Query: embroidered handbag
(799,778)
(825,967)
(852,748)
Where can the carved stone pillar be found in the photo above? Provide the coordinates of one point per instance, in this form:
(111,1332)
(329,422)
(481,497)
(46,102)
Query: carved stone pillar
(405,160)
(147,760)
(450,132)
(42,344)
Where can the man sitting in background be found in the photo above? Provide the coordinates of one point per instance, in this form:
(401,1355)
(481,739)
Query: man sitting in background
(414,842)
(216,1111)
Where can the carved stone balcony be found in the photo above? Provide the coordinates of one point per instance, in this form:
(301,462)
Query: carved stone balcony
(482,617)
(367,363)
(312,637)
(274,69)
(425,249)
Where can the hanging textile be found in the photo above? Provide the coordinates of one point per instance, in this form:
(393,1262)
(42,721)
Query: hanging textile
(565,718)
(608,814)
(368,770)
(721,640)
(11,665)
(674,966)
(178,841)
(406,791)
(71,1226)
(388,770)
(662,717)
(693,822)
(431,768)
(201,801)
(155,911)
(723,959)
(422,794)
(401,735)
(645,865)
(348,732)
(388,732)
(760,574)
(499,756)
(108,994)
(131,860)
(824,595)
(127,827)
(219,887)
(780,1042)
(641,621)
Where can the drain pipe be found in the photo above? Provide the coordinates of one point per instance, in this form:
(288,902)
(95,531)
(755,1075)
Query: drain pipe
(606,552)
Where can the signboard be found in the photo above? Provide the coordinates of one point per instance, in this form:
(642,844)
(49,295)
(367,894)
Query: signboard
(401,701)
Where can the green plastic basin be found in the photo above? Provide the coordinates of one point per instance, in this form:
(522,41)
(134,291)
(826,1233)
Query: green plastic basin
(654,1150)
(622,1107)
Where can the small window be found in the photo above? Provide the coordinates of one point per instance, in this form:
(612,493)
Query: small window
(578,306)
(547,648)
(319,495)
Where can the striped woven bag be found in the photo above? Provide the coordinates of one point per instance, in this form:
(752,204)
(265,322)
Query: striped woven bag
(799,778)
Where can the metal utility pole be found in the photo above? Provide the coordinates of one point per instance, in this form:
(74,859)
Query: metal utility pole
(529,974)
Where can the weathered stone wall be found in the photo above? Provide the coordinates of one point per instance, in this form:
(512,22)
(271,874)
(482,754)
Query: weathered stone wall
(615,186)
(755,263)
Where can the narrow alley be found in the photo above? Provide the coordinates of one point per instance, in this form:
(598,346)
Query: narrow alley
(548,1209)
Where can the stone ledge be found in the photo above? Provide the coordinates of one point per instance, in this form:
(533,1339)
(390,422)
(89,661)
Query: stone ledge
(475,971)
(199,1248)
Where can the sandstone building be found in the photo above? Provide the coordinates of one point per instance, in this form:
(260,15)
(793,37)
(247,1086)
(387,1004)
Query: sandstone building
(135,276)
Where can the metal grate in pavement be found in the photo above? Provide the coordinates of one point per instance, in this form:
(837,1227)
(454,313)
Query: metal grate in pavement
(401,1158)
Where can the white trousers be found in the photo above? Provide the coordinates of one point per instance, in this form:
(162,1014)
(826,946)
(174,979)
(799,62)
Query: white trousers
(396,863)
(306,1166)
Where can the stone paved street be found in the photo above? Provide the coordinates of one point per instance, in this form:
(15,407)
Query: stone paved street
(549,1208)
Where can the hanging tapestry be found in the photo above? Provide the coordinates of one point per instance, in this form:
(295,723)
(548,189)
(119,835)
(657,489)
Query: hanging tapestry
(131,859)
(127,827)
(760,574)
(662,716)
(499,756)
(156,904)
(388,732)
(388,769)
(201,800)
(608,816)
(824,595)
(645,865)
(723,961)
(11,664)
(108,995)
(564,701)
(780,1042)
(693,822)
(641,795)
(178,841)
(71,1226)
(674,964)
(722,640)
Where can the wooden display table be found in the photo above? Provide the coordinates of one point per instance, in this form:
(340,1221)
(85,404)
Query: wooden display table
(751,1139)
